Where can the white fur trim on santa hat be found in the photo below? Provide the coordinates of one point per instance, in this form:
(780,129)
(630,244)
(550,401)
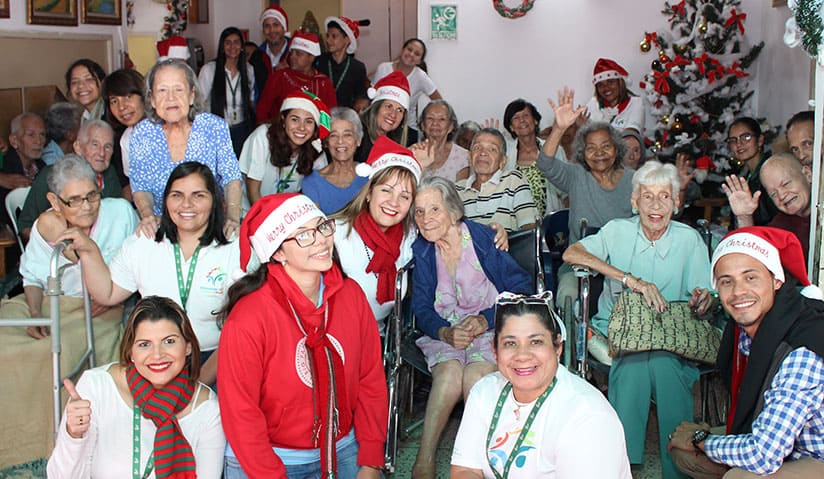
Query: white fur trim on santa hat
(389,93)
(387,160)
(353,40)
(277,15)
(302,104)
(608,75)
(301,43)
(283,221)
(753,246)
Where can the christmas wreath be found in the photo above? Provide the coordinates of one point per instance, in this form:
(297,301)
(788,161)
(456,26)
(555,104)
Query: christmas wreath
(805,28)
(517,12)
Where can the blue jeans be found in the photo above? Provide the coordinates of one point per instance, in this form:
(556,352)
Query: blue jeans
(347,466)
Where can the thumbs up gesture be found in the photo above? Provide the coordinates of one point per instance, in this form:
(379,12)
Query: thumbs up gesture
(78,412)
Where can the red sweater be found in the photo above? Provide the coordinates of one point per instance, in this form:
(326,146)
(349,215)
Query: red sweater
(264,399)
(283,82)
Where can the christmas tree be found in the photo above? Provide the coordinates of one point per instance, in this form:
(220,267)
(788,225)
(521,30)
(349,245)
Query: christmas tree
(698,83)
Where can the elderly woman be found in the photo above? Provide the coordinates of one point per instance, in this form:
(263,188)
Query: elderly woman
(228,84)
(438,124)
(76,204)
(189,260)
(387,115)
(522,121)
(672,260)
(458,274)
(542,416)
(636,153)
(96,437)
(334,185)
(277,156)
(83,79)
(176,129)
(613,103)
(746,142)
(123,96)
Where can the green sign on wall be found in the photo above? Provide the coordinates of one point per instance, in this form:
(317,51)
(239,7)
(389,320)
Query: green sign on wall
(444,22)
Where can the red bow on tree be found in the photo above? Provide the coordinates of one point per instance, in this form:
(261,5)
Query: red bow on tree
(677,61)
(664,137)
(661,83)
(716,74)
(651,38)
(704,163)
(736,70)
(736,19)
(678,9)
(694,119)
(700,61)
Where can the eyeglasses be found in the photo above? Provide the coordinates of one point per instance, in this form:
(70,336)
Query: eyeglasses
(742,138)
(306,238)
(77,201)
(541,299)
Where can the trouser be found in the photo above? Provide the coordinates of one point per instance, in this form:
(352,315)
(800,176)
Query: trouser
(347,466)
(637,378)
(698,466)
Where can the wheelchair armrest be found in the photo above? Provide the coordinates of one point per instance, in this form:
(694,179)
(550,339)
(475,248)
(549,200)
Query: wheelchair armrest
(582,271)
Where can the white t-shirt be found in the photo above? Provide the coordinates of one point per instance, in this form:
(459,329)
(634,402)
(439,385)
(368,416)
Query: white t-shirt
(355,257)
(106,449)
(419,84)
(574,418)
(144,265)
(632,117)
(232,114)
(255,163)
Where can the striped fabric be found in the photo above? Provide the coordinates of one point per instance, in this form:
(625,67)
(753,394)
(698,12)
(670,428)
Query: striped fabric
(173,457)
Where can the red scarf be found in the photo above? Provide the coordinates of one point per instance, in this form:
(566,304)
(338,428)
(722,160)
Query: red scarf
(386,247)
(739,365)
(173,457)
(333,416)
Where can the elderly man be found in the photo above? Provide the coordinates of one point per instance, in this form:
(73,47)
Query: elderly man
(800,130)
(62,123)
(788,184)
(491,195)
(23,161)
(271,54)
(772,357)
(300,75)
(95,143)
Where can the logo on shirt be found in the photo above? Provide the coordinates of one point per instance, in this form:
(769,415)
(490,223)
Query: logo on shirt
(302,364)
(215,282)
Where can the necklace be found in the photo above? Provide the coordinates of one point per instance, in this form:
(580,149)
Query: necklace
(342,75)
(518,406)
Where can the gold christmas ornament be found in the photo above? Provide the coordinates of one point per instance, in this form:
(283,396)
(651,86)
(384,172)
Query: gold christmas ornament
(677,125)
(702,28)
(665,119)
(645,46)
(679,48)
(658,144)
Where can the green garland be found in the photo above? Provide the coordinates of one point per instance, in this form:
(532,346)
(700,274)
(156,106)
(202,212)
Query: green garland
(517,12)
(808,19)
(175,23)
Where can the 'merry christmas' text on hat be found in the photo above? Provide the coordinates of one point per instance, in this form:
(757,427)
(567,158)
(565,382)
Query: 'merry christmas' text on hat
(775,248)
(386,153)
(173,47)
(278,13)
(349,27)
(394,86)
(270,221)
(305,41)
(606,69)
(309,102)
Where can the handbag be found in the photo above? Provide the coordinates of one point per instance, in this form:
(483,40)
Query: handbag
(636,327)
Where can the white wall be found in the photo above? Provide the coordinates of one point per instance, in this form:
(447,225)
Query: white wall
(495,59)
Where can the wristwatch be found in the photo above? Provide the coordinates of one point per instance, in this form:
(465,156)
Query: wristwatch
(698,437)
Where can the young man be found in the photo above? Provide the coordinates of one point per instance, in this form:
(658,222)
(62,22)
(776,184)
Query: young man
(772,357)
(347,74)
(272,53)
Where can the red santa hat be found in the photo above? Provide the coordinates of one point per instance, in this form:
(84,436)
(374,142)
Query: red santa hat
(173,47)
(270,221)
(776,249)
(386,153)
(305,41)
(606,69)
(394,86)
(278,13)
(309,102)
(349,27)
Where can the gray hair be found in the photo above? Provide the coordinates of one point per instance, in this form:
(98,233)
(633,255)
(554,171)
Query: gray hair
(68,168)
(580,142)
(347,114)
(191,79)
(86,130)
(493,132)
(450,113)
(654,172)
(62,118)
(451,199)
(16,126)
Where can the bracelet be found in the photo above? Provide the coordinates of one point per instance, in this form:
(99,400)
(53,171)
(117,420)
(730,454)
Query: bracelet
(624,279)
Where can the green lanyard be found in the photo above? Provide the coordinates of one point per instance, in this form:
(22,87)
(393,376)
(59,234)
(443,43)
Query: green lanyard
(497,415)
(185,288)
(233,90)
(342,75)
(136,449)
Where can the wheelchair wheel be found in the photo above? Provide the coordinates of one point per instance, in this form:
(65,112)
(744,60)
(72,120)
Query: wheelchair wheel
(569,324)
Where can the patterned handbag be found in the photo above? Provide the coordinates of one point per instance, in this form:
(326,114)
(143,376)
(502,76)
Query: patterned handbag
(635,327)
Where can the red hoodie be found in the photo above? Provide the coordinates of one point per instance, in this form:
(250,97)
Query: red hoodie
(283,82)
(264,398)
